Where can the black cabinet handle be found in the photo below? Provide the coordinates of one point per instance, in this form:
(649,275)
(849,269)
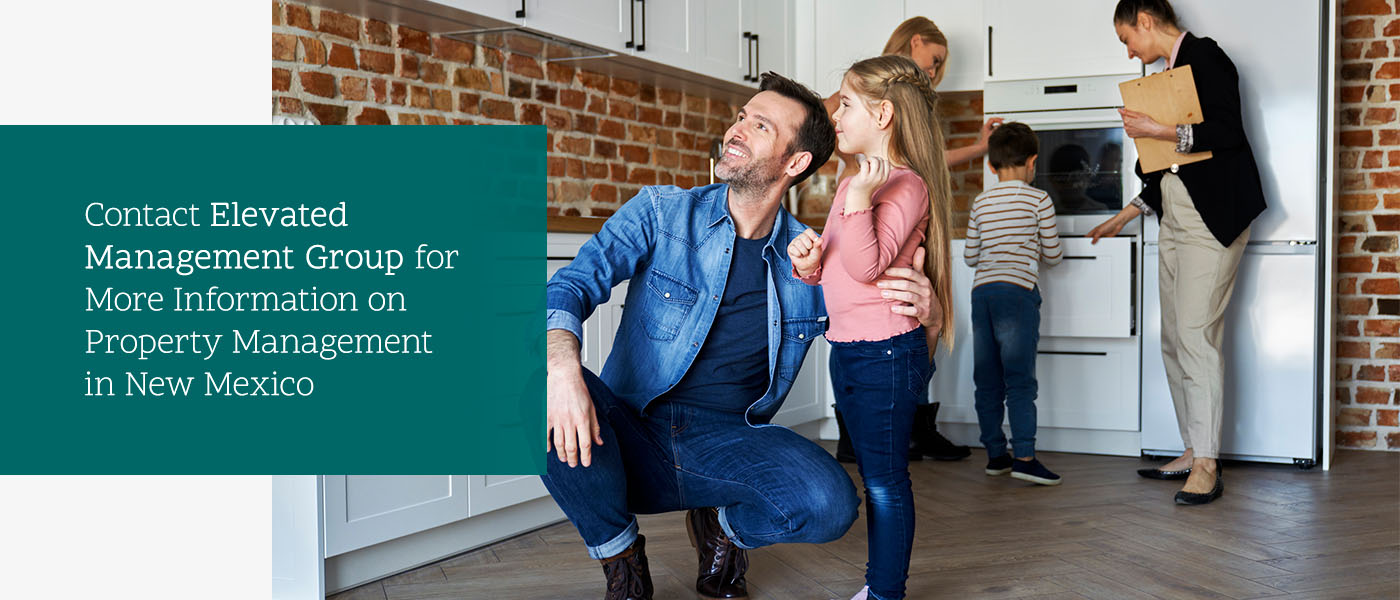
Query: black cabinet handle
(1081,258)
(748,63)
(989,51)
(1066,352)
(632,24)
(520,14)
(757,66)
(632,6)
(643,46)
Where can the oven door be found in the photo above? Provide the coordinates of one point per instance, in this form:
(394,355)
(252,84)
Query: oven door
(1085,164)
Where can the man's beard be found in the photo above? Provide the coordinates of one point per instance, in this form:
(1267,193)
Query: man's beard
(756,176)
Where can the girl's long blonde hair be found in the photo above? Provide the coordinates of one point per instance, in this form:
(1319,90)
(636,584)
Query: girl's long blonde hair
(916,141)
(926,30)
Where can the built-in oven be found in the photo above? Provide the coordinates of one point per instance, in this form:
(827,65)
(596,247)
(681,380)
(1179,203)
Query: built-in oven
(1086,161)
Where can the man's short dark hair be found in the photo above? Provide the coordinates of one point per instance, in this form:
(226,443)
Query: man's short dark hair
(1011,145)
(815,133)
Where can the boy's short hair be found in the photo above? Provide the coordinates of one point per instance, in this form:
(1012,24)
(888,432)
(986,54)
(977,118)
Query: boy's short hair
(1011,144)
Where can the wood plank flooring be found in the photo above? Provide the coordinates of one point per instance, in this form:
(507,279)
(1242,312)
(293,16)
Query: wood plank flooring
(1278,532)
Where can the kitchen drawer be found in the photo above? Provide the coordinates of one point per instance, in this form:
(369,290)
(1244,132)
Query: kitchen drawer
(1090,293)
(1088,384)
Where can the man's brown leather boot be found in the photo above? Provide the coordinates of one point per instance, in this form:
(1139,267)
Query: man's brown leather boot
(629,576)
(722,564)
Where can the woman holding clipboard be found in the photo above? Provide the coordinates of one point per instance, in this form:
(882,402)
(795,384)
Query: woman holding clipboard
(1205,210)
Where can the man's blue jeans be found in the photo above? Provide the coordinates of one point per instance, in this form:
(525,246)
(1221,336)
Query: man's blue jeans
(878,385)
(1005,332)
(770,484)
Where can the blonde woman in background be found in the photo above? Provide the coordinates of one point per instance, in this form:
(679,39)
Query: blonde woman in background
(920,40)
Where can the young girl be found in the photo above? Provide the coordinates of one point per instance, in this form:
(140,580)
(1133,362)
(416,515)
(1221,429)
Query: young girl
(880,363)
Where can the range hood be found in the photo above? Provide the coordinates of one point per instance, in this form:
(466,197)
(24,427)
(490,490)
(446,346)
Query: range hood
(520,40)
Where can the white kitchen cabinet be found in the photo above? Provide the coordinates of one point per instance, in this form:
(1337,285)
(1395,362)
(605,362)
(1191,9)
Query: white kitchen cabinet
(739,39)
(606,24)
(490,492)
(847,32)
(608,318)
(598,328)
(1088,386)
(961,22)
(807,400)
(951,384)
(1042,39)
(662,32)
(722,52)
(363,510)
(771,23)
(666,32)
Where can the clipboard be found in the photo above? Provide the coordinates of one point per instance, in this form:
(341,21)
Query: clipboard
(1167,97)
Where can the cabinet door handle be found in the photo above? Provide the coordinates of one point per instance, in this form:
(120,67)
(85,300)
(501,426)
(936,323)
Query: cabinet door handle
(1081,258)
(520,14)
(643,46)
(1066,352)
(989,51)
(757,66)
(748,62)
(632,24)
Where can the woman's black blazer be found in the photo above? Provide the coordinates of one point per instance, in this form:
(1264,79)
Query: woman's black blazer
(1226,188)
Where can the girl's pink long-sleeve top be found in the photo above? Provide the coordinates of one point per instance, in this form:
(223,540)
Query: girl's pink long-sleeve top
(858,247)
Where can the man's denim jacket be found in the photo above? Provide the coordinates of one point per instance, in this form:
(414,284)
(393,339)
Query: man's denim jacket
(674,245)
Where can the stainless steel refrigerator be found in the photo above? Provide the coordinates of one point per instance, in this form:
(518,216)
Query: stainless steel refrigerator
(1274,340)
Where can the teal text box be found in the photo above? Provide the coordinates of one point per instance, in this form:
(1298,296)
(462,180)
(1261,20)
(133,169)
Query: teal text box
(474,404)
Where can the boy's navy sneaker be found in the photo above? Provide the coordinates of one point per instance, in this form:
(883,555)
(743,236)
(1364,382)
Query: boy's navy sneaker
(1034,472)
(1000,465)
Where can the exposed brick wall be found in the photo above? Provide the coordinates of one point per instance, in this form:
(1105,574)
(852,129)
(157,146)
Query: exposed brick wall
(607,136)
(1368,285)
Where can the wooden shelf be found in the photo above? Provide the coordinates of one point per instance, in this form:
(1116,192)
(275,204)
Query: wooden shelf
(557,224)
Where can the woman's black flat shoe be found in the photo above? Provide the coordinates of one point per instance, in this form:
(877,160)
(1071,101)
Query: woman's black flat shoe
(1207,498)
(1160,474)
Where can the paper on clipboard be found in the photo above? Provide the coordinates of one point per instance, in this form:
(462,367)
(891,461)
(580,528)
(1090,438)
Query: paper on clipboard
(1167,97)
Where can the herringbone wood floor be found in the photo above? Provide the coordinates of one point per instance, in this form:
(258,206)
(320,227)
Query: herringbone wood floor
(1278,532)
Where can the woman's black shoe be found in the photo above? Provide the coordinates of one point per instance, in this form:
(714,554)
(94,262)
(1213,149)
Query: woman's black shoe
(1207,498)
(1160,474)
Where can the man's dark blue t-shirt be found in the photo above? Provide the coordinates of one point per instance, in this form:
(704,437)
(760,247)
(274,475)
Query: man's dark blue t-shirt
(731,371)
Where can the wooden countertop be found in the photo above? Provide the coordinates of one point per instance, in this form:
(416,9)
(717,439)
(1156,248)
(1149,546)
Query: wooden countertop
(593,224)
(558,224)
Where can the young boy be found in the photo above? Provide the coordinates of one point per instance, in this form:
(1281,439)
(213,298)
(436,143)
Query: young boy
(1012,229)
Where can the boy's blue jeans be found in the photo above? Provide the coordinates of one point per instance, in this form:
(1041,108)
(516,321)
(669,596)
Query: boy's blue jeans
(1005,332)
(770,484)
(877,386)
